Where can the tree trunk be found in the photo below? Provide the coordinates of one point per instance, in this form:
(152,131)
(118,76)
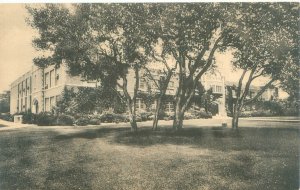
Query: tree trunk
(132,121)
(235,120)
(178,119)
(236,113)
(179,114)
(156,115)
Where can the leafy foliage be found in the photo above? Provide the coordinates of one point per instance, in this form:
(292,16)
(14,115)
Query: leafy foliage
(85,100)
(266,43)
(4,102)
(45,119)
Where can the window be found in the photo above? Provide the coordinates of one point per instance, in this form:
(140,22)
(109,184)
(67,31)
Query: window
(169,107)
(25,105)
(19,90)
(52,78)
(142,84)
(30,85)
(47,81)
(162,78)
(26,85)
(171,84)
(34,82)
(57,75)
(153,105)
(47,105)
(30,99)
(52,102)
(218,89)
(140,104)
(21,105)
(23,88)
(57,98)
(18,105)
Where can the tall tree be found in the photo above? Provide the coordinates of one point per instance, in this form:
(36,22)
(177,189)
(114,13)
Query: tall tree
(265,40)
(191,34)
(97,41)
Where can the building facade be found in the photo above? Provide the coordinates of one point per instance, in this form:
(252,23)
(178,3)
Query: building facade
(39,89)
(214,81)
(269,94)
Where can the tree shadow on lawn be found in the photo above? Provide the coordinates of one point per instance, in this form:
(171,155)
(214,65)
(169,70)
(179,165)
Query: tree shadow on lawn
(15,152)
(224,139)
(22,153)
(249,153)
(257,139)
(92,133)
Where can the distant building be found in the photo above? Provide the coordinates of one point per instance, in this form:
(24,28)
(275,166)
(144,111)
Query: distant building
(270,93)
(215,81)
(39,89)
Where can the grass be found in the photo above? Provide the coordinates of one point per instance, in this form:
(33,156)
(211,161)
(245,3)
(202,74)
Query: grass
(113,158)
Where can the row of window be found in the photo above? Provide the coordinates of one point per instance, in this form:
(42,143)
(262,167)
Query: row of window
(50,102)
(23,104)
(143,84)
(52,78)
(140,105)
(216,88)
(24,87)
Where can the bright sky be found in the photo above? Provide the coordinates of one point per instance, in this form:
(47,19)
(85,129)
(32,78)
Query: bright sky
(17,53)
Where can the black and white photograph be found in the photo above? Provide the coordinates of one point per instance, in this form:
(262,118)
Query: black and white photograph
(149,95)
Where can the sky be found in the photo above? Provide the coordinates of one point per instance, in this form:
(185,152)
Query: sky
(17,52)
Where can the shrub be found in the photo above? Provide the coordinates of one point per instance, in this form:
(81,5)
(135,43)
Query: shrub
(107,118)
(291,112)
(190,116)
(82,121)
(94,119)
(6,117)
(145,116)
(44,119)
(65,120)
(246,114)
(162,114)
(120,118)
(261,113)
(202,114)
(27,117)
(138,118)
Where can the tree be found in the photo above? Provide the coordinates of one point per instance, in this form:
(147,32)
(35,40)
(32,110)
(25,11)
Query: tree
(4,102)
(100,42)
(87,100)
(66,103)
(161,82)
(191,34)
(265,41)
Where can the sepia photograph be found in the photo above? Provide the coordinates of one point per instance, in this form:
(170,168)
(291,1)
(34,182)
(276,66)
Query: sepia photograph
(150,95)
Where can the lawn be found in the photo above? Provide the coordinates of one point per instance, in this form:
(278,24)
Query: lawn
(111,157)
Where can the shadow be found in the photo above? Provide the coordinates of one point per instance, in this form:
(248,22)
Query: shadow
(16,153)
(218,138)
(91,133)
(187,136)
